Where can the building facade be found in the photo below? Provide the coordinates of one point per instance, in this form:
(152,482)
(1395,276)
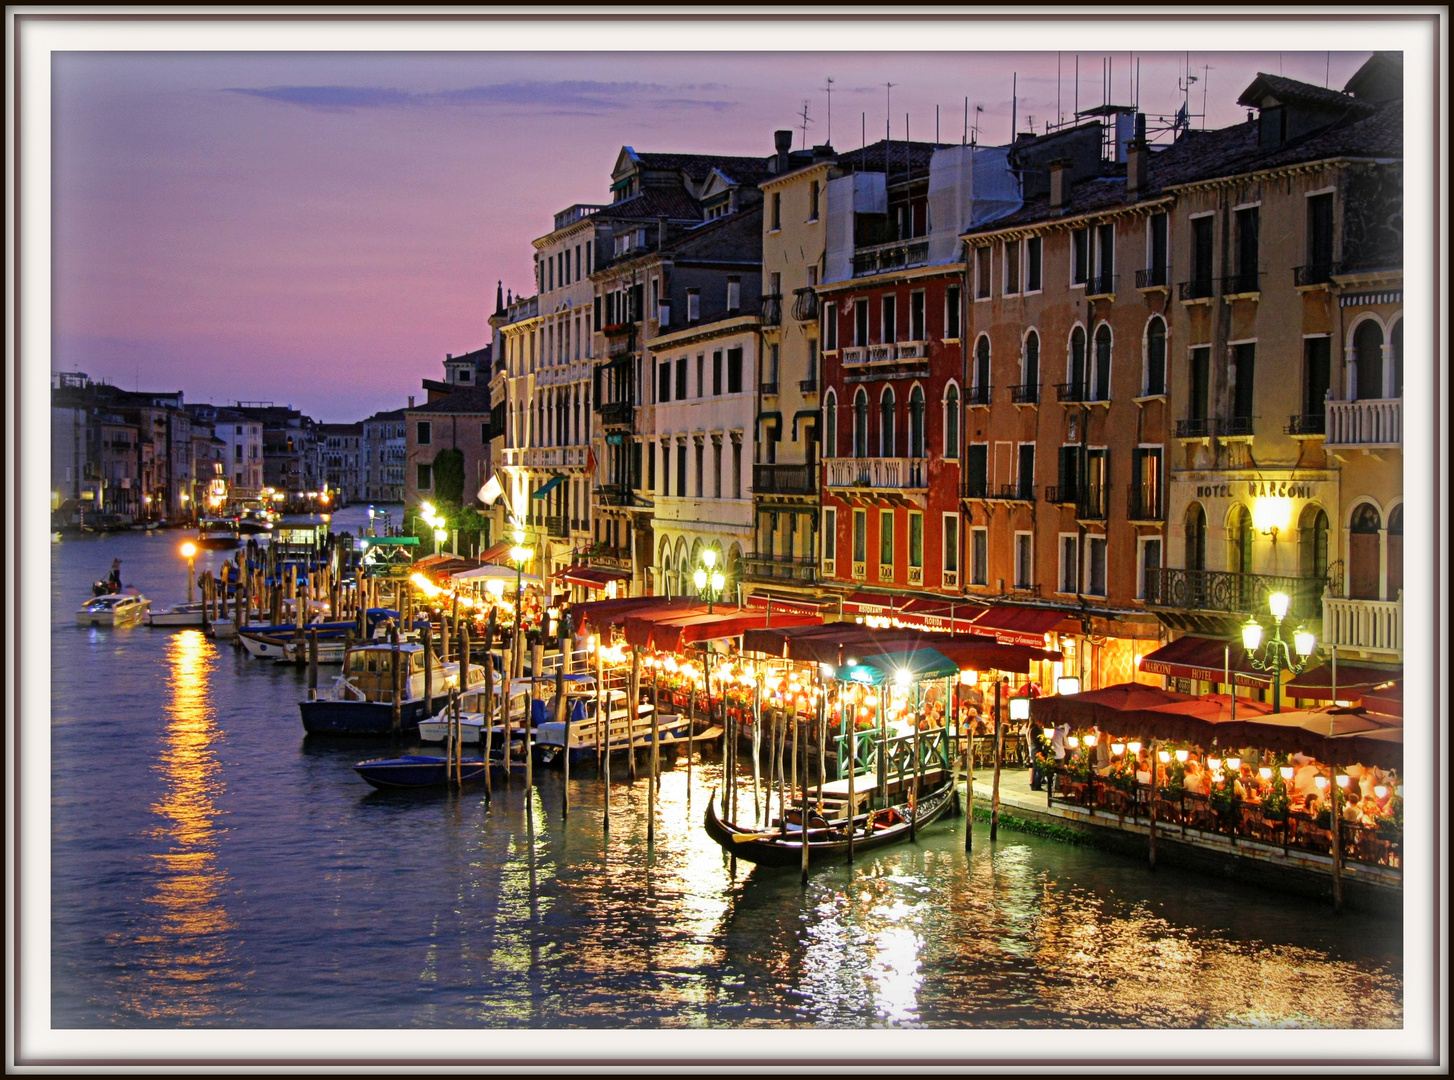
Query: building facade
(383,448)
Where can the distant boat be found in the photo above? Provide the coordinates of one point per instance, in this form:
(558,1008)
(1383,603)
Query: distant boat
(417,771)
(361,699)
(254,521)
(113,609)
(189,614)
(217,533)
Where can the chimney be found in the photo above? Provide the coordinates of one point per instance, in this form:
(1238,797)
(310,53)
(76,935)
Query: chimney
(783,140)
(1138,158)
(1060,180)
(411,401)
(661,232)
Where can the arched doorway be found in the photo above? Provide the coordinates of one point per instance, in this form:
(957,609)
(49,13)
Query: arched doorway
(1312,559)
(1363,573)
(1239,555)
(1368,360)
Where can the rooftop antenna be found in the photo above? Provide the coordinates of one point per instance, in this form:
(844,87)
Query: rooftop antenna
(975,130)
(1059,112)
(806,121)
(888,115)
(936,125)
(965,141)
(1014,101)
(1077,86)
(829,88)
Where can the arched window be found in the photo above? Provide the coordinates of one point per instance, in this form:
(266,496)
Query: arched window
(1363,575)
(1075,364)
(1030,369)
(1396,339)
(916,422)
(1239,537)
(887,407)
(684,573)
(1395,553)
(1196,537)
(732,569)
(830,425)
(979,386)
(1155,357)
(664,561)
(1101,380)
(1313,544)
(1368,360)
(860,424)
(951,422)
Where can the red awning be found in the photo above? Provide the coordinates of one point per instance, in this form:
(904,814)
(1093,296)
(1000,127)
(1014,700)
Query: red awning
(799,604)
(914,612)
(499,553)
(592,577)
(833,643)
(1386,702)
(1018,624)
(1194,657)
(604,614)
(673,634)
(1353,681)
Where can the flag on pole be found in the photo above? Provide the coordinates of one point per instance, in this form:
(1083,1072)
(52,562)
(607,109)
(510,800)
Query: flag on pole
(491,491)
(591,461)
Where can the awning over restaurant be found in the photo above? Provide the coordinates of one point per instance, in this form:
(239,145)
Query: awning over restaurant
(497,552)
(1018,624)
(672,632)
(1387,702)
(798,604)
(592,577)
(1193,657)
(889,667)
(601,615)
(494,573)
(914,612)
(1353,680)
(841,643)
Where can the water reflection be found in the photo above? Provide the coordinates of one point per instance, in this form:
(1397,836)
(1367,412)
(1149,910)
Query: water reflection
(187,971)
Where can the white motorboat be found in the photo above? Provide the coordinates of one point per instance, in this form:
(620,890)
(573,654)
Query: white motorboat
(189,614)
(361,699)
(113,609)
(472,715)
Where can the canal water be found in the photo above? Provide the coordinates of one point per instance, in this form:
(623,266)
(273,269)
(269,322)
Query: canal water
(212,867)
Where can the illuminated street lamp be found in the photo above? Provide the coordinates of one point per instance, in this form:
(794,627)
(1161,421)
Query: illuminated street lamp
(1276,655)
(519,556)
(189,552)
(708,579)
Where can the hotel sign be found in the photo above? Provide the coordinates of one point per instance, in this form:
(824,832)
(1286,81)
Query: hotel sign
(1262,489)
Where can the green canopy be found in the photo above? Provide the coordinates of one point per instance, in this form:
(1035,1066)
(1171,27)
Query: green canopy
(886,668)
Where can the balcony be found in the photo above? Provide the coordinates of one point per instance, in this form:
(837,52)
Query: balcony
(1306,426)
(769,389)
(614,495)
(911,350)
(1196,289)
(1234,427)
(1098,285)
(1091,505)
(978,396)
(1365,424)
(1374,625)
(557,527)
(884,258)
(785,479)
(617,413)
(555,457)
(808,386)
(771,310)
(1008,492)
(1025,394)
(1309,277)
(1232,593)
(805,304)
(1196,427)
(1154,277)
(780,568)
(620,348)
(1144,504)
(1245,283)
(1072,392)
(882,354)
(882,474)
(854,354)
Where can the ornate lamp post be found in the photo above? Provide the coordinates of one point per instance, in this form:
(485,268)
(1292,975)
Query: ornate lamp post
(709,580)
(189,552)
(1276,654)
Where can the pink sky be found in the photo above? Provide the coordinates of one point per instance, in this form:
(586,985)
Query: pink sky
(321,229)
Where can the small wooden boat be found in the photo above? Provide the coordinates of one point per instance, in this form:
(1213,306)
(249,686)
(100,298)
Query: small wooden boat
(782,845)
(189,614)
(417,771)
(113,609)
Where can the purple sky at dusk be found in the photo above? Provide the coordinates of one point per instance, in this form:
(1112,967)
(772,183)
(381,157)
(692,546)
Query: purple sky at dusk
(320,229)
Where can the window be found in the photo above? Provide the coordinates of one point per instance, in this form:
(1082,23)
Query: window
(860,536)
(860,322)
(1095,565)
(1396,341)
(426,480)
(578,262)
(1201,255)
(979,556)
(1012,267)
(701,462)
(666,468)
(1071,465)
(1368,361)
(916,540)
(916,422)
(979,386)
(717,373)
(734,370)
(694,305)
(886,433)
(1155,358)
(1156,240)
(1244,358)
(830,535)
(1030,369)
(1105,259)
(1147,566)
(422,433)
(812,360)
(885,538)
(951,422)
(1093,500)
(830,425)
(736,467)
(1069,568)
(1032,264)
(1075,374)
(681,469)
(1079,256)
(596,312)
(812,200)
(774,355)
(681,378)
(651,468)
(916,316)
(1146,484)
(981,272)
(716,466)
(976,470)
(1247,224)
(1201,361)
(860,423)
(664,382)
(951,313)
(1101,372)
(1024,560)
(734,293)
(830,327)
(238,452)
(1025,473)
(889,330)
(485,433)
(1320,237)
(701,372)
(951,549)
(777,210)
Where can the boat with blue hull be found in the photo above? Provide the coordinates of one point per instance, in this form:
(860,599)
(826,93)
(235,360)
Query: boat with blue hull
(412,771)
(361,700)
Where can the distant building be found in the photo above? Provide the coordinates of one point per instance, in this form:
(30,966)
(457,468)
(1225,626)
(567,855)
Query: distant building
(343,462)
(383,449)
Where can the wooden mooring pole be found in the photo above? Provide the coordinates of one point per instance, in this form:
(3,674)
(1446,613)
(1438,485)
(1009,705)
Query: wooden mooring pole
(995,786)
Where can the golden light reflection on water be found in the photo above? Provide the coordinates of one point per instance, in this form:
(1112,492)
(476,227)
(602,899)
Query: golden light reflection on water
(185,966)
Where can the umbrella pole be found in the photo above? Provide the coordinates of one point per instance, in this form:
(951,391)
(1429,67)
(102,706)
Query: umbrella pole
(1335,815)
(966,740)
(1151,839)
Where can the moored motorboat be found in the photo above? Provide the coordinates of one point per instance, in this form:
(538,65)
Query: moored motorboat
(217,533)
(419,771)
(361,700)
(189,614)
(472,715)
(587,736)
(113,609)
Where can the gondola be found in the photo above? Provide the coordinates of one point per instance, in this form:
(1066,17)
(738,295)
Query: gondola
(829,842)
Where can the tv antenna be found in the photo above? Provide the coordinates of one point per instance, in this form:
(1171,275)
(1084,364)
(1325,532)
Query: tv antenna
(804,125)
(829,88)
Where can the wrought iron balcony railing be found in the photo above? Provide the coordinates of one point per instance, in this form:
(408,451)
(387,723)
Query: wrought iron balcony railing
(1196,289)
(978,395)
(617,412)
(1100,285)
(1233,593)
(1307,424)
(1242,283)
(769,389)
(1154,277)
(1061,494)
(1234,427)
(772,310)
(1025,394)
(1196,427)
(805,304)
(1312,274)
(556,527)
(808,386)
(784,479)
